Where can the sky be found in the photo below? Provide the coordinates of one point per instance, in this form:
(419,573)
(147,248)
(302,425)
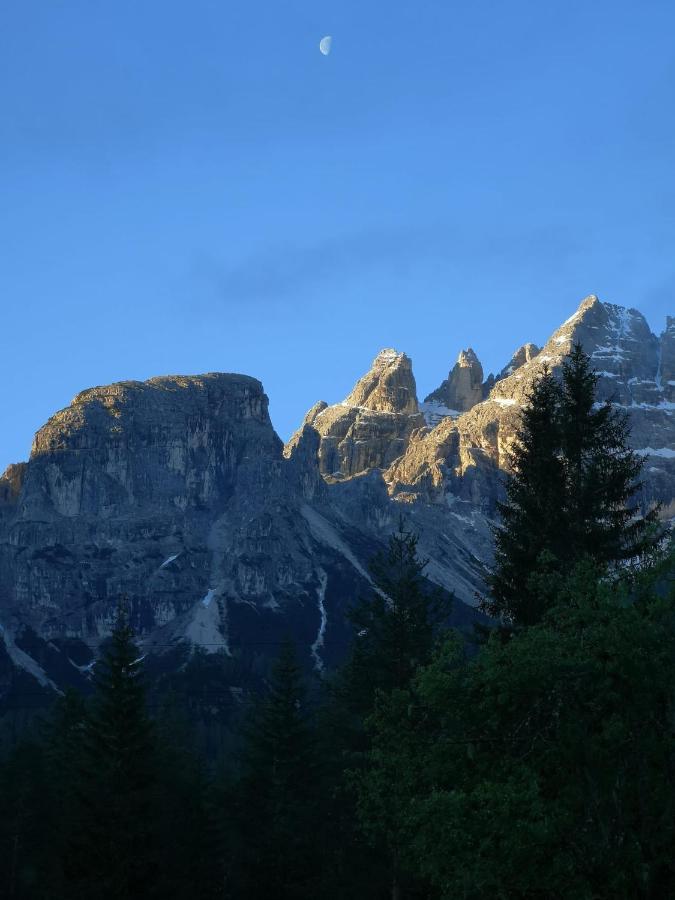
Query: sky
(194,187)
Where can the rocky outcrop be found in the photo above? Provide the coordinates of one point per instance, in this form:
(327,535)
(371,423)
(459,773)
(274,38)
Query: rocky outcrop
(666,374)
(522,355)
(11,482)
(177,494)
(472,447)
(460,391)
(372,426)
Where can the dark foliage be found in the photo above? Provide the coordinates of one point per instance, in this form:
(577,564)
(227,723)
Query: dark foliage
(570,495)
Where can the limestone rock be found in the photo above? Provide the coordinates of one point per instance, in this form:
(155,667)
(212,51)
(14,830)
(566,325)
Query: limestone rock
(371,427)
(631,375)
(11,482)
(520,357)
(666,375)
(175,494)
(460,391)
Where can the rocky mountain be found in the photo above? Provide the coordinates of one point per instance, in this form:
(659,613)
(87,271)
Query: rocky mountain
(177,494)
(462,454)
(372,426)
(460,391)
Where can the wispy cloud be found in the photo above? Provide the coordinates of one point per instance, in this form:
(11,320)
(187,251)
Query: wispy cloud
(287,269)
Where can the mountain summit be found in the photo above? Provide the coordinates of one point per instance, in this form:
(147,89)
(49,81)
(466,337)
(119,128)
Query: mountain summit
(177,494)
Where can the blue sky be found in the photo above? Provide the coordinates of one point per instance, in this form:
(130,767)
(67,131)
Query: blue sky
(194,187)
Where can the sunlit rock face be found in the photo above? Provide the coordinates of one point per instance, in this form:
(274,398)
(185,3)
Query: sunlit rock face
(522,355)
(174,496)
(372,426)
(460,391)
(462,454)
(177,495)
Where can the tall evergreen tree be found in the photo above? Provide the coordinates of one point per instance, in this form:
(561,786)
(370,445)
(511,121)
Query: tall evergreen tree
(275,823)
(112,853)
(530,532)
(544,766)
(570,495)
(601,473)
(395,626)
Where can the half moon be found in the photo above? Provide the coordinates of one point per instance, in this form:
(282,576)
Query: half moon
(324,44)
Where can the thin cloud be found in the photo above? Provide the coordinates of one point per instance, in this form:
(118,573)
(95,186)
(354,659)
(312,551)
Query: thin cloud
(288,269)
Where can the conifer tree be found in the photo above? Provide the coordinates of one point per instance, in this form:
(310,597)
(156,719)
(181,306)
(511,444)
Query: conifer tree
(112,853)
(570,495)
(530,531)
(395,626)
(601,474)
(275,822)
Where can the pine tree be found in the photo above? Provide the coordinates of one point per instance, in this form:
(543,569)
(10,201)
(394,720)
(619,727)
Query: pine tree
(112,854)
(530,531)
(275,822)
(601,474)
(570,494)
(396,629)
(395,626)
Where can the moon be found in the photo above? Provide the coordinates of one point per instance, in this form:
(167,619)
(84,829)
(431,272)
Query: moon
(324,44)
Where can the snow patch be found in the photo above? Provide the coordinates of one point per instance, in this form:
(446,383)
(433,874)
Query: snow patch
(169,560)
(22,660)
(503,401)
(323,622)
(206,628)
(663,452)
(324,532)
(434,411)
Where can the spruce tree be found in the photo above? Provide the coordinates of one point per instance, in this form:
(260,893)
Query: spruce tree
(396,629)
(529,533)
(602,519)
(274,818)
(570,495)
(395,626)
(112,853)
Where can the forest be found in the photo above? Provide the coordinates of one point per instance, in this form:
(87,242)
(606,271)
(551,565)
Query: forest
(532,758)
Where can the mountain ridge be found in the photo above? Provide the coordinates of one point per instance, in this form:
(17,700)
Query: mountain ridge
(178,494)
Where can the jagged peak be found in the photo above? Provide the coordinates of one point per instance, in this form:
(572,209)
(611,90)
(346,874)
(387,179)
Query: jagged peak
(461,390)
(387,356)
(467,357)
(388,386)
(586,304)
(521,356)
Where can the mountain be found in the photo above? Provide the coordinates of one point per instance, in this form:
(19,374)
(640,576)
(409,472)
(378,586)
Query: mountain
(177,495)
(461,455)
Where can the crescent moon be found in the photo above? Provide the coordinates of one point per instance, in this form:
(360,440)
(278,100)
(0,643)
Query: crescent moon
(325,44)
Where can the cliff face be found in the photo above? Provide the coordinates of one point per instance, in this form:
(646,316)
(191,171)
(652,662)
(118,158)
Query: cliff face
(463,454)
(372,426)
(460,391)
(177,495)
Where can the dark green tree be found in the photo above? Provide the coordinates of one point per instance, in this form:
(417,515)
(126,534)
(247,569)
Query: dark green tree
(543,767)
(395,626)
(530,532)
(112,850)
(26,857)
(570,495)
(274,812)
(601,514)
